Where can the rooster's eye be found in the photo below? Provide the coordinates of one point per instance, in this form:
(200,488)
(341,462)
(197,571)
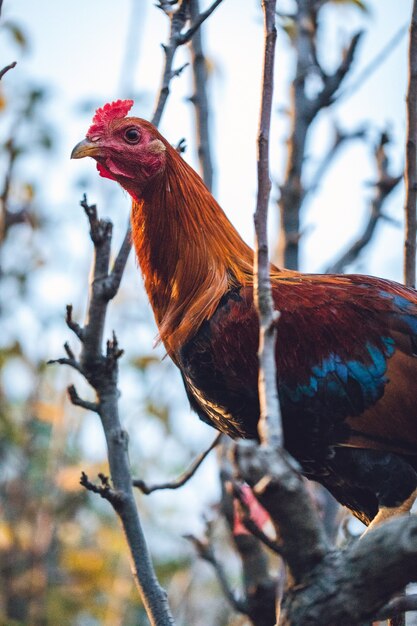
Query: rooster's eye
(132,135)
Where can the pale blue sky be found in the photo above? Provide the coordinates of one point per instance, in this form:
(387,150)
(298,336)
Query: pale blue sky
(78,49)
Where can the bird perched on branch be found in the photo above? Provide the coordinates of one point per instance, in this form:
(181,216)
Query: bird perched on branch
(347,345)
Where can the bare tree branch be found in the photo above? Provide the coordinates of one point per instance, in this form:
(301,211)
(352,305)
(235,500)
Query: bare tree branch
(333,81)
(119,265)
(270,427)
(261,586)
(411,159)
(178,18)
(101,371)
(251,525)
(304,110)
(7,68)
(77,401)
(385,184)
(281,491)
(410,180)
(372,66)
(205,550)
(183,478)
(200,99)
(76,328)
(364,574)
(197,21)
(104,490)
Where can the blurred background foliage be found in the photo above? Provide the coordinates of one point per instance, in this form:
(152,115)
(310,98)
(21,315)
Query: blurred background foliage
(63,558)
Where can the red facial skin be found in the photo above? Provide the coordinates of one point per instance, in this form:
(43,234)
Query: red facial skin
(128,150)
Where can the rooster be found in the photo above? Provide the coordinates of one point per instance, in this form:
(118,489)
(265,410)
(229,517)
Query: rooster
(347,350)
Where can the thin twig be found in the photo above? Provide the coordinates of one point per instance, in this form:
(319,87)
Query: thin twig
(178,18)
(205,551)
(183,478)
(304,110)
(66,361)
(101,371)
(7,68)
(270,428)
(410,181)
(77,401)
(76,328)
(119,264)
(254,529)
(104,489)
(251,525)
(372,66)
(410,176)
(199,19)
(332,82)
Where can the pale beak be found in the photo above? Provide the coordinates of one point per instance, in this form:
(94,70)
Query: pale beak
(84,149)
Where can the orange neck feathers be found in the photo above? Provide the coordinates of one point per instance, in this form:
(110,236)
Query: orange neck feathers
(188,251)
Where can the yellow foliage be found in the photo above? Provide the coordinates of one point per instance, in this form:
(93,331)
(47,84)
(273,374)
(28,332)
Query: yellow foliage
(24,532)
(84,562)
(70,533)
(6,536)
(48,412)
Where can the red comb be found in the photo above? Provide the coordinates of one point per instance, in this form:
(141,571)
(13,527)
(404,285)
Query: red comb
(110,111)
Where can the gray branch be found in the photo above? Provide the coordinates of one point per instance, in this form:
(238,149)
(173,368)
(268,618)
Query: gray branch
(7,68)
(183,478)
(372,66)
(281,491)
(178,19)
(260,586)
(101,371)
(270,427)
(411,159)
(200,99)
(205,551)
(304,111)
(330,586)
(197,20)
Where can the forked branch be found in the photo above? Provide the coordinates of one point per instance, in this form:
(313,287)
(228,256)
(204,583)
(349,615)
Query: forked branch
(178,19)
(101,371)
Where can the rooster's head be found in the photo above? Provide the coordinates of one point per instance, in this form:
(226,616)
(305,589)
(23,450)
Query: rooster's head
(129,150)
